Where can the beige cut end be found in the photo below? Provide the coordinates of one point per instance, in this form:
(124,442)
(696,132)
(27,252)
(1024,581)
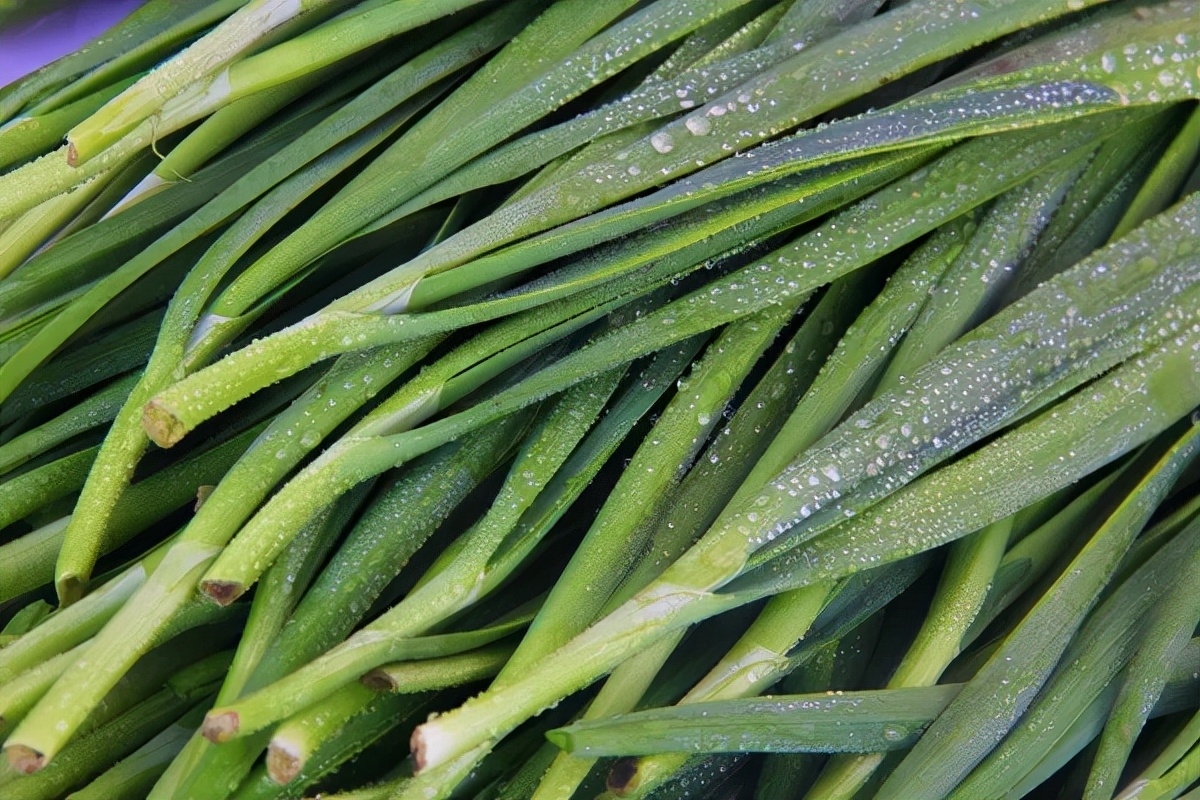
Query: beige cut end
(24,760)
(163,427)
(283,761)
(220,726)
(72,154)
(222,592)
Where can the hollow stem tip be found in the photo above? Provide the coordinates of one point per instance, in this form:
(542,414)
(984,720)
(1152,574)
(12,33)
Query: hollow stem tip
(161,425)
(223,593)
(24,760)
(220,726)
(283,761)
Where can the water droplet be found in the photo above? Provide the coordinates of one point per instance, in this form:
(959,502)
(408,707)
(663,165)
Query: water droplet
(699,126)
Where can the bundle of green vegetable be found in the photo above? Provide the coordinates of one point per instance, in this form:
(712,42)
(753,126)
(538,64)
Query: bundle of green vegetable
(640,398)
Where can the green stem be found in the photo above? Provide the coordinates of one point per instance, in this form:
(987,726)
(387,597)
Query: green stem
(96,409)
(92,754)
(247,26)
(74,625)
(407,677)
(19,694)
(965,582)
(298,737)
(371,647)
(132,777)
(126,636)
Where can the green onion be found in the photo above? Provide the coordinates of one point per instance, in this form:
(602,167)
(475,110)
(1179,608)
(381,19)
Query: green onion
(618,398)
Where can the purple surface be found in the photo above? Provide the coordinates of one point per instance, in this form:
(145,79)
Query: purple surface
(27,45)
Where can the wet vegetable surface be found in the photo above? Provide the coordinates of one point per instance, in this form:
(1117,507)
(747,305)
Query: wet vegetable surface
(595,398)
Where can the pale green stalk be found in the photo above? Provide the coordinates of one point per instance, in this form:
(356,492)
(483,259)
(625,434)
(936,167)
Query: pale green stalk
(280,591)
(27,233)
(366,451)
(620,534)
(298,737)
(144,38)
(241,31)
(456,575)
(373,553)
(370,647)
(966,579)
(125,441)
(233,121)
(92,754)
(71,626)
(18,694)
(294,432)
(28,562)
(293,61)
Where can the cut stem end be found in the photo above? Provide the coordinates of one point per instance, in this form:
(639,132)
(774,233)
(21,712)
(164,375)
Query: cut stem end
(223,593)
(430,746)
(220,726)
(162,426)
(24,759)
(283,761)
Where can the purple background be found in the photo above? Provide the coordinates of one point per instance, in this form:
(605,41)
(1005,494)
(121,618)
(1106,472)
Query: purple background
(27,45)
